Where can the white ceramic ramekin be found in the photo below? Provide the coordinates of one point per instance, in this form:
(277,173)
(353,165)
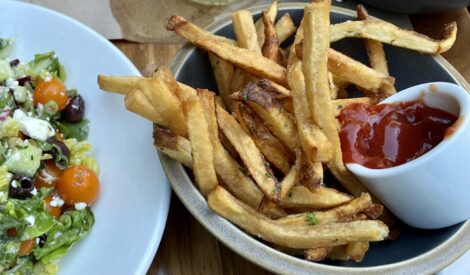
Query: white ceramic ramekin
(432,191)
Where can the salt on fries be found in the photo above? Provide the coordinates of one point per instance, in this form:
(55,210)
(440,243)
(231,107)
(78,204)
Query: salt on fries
(258,152)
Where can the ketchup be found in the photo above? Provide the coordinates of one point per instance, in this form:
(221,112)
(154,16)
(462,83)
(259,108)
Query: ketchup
(387,135)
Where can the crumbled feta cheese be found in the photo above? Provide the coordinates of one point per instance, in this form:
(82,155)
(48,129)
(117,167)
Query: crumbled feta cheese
(80,206)
(33,127)
(34,192)
(14,184)
(46,177)
(11,82)
(56,202)
(30,219)
(48,78)
(57,234)
(38,240)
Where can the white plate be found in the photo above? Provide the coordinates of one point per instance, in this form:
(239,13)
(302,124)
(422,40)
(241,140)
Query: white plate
(133,205)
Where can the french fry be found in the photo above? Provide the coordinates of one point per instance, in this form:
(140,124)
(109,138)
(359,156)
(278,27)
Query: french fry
(316,254)
(263,98)
(244,29)
(249,61)
(174,146)
(314,143)
(375,49)
(271,47)
(320,198)
(340,104)
(185,91)
(388,33)
(333,88)
(223,203)
(272,13)
(342,213)
(201,145)
(285,27)
(136,102)
(357,250)
(269,146)
(118,84)
(249,153)
(166,76)
(223,73)
(191,32)
(311,173)
(166,103)
(291,178)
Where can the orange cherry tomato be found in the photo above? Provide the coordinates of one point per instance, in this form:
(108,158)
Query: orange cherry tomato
(51,90)
(26,247)
(49,177)
(53,210)
(78,184)
(59,136)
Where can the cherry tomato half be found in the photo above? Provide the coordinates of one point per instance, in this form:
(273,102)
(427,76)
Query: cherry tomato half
(53,210)
(51,90)
(78,184)
(49,177)
(26,247)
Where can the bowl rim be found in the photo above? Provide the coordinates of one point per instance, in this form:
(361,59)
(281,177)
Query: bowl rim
(269,258)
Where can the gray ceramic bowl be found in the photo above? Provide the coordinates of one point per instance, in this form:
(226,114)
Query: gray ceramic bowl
(417,6)
(415,252)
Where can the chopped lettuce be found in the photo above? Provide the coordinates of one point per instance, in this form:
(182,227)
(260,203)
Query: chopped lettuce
(5,179)
(79,154)
(72,226)
(46,62)
(24,160)
(5,47)
(5,70)
(78,130)
(9,127)
(8,251)
(7,100)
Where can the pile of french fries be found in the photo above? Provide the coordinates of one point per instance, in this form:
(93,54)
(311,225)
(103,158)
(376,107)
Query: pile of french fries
(259,149)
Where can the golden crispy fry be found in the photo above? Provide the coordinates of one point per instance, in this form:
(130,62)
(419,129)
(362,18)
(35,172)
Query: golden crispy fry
(357,250)
(201,145)
(271,47)
(272,13)
(285,27)
(375,49)
(166,103)
(165,74)
(343,213)
(176,147)
(292,177)
(333,88)
(391,34)
(316,254)
(192,32)
(224,204)
(269,146)
(338,253)
(263,98)
(246,59)
(223,73)
(185,91)
(250,154)
(320,198)
(340,104)
(311,173)
(118,84)
(244,29)
(136,102)
(314,143)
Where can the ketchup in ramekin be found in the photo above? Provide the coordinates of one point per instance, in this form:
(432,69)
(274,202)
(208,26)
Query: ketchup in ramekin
(387,135)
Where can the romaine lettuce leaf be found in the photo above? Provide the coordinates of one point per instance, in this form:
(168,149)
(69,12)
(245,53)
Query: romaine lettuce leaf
(46,62)
(72,226)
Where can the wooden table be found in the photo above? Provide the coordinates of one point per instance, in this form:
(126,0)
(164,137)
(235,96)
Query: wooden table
(188,248)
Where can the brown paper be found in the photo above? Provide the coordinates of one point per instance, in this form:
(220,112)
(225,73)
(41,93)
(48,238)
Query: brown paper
(149,24)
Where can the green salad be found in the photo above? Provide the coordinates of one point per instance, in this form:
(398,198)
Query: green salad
(48,180)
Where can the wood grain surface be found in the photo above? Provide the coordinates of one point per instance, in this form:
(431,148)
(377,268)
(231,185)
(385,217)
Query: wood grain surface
(188,248)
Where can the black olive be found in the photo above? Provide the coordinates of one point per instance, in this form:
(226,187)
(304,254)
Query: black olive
(24,187)
(75,109)
(23,80)
(58,148)
(14,62)
(42,240)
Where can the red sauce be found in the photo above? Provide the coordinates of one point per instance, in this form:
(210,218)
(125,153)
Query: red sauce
(387,135)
